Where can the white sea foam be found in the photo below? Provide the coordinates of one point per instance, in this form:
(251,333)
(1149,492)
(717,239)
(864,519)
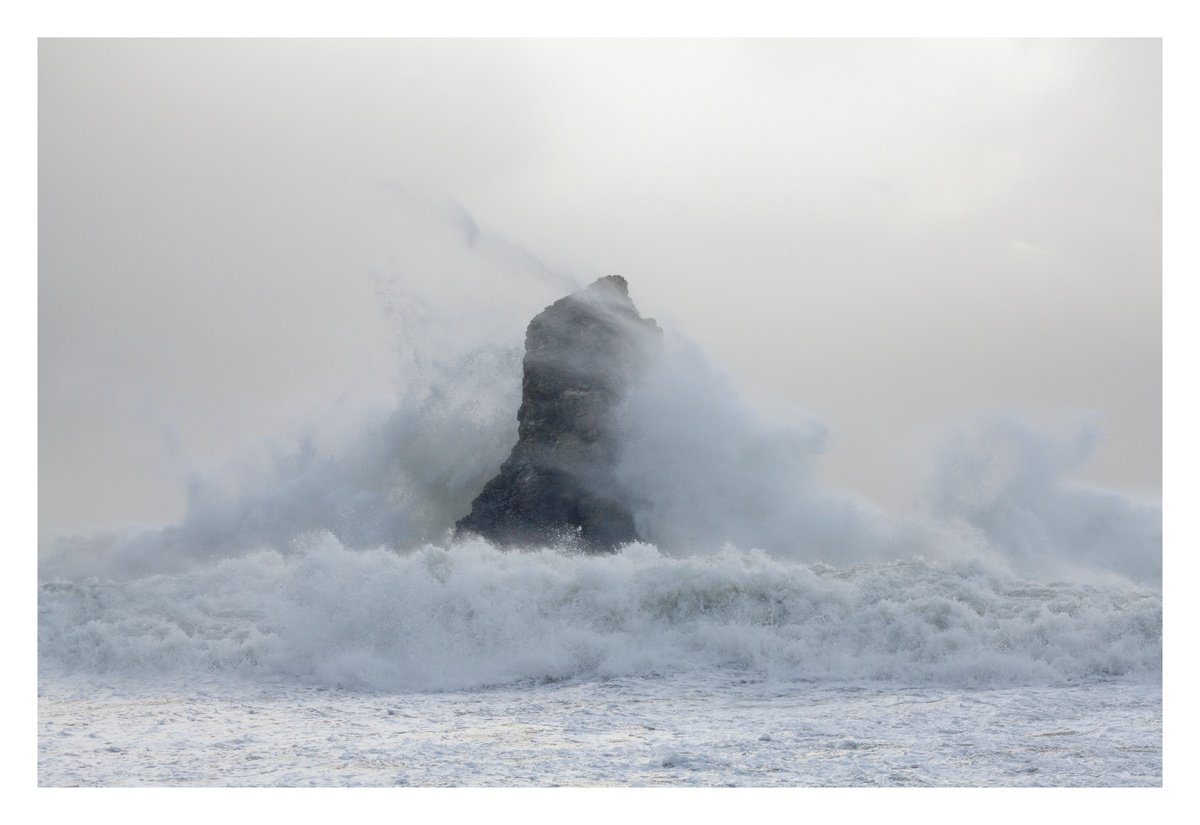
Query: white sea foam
(471,615)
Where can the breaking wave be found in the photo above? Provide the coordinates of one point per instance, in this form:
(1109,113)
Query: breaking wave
(471,616)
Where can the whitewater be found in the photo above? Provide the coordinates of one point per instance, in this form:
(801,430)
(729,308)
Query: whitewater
(310,621)
(478,666)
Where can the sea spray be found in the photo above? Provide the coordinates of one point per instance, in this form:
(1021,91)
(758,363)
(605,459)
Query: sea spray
(705,469)
(700,467)
(1008,483)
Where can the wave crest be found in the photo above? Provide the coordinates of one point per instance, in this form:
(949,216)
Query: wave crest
(470,616)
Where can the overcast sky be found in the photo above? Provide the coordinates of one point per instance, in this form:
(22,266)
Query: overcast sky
(889,234)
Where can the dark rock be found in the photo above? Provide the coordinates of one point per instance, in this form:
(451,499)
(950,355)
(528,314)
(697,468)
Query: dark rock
(582,353)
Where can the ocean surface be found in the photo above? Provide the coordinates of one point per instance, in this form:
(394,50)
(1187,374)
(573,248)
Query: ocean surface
(469,666)
(308,622)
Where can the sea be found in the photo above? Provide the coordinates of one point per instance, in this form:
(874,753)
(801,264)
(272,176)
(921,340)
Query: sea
(311,620)
(473,666)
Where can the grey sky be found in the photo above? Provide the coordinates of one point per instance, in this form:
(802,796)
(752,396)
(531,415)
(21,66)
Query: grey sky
(891,234)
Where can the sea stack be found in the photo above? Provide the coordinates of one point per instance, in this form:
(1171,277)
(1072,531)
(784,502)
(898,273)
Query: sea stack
(558,486)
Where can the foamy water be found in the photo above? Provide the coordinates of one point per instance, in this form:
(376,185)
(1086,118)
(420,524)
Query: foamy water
(700,729)
(472,616)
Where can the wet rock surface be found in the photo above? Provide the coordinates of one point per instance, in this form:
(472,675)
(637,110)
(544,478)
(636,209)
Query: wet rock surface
(582,354)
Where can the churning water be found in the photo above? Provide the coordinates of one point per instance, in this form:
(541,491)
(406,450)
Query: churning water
(315,625)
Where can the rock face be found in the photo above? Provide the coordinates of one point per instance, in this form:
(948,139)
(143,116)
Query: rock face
(581,355)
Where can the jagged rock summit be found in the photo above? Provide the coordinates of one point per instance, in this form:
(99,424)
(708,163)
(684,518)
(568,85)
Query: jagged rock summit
(582,354)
